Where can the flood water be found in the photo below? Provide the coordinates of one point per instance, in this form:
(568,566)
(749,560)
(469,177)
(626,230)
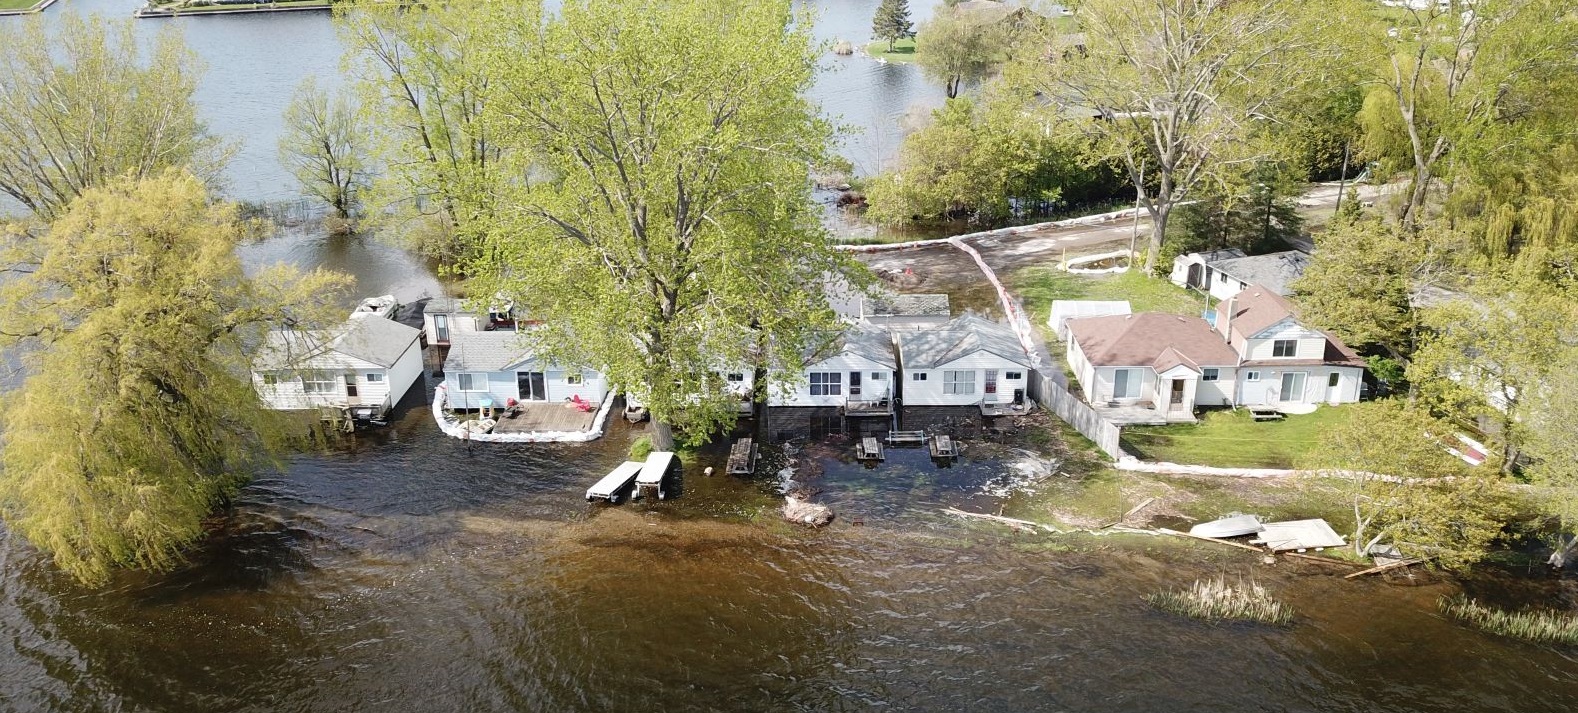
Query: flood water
(405,571)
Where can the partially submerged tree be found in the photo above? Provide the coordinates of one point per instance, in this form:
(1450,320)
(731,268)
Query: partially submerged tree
(1180,87)
(84,106)
(136,417)
(668,231)
(958,47)
(1407,490)
(324,147)
(892,22)
(423,84)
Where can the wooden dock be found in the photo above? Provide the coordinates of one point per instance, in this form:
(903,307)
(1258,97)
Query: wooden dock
(906,438)
(868,449)
(743,457)
(942,447)
(868,408)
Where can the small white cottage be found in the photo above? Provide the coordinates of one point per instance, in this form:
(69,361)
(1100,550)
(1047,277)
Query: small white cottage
(855,371)
(488,369)
(444,316)
(365,365)
(967,362)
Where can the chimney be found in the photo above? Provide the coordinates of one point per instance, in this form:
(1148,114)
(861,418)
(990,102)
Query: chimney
(1225,317)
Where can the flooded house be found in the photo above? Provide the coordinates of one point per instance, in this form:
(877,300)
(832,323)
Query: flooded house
(491,369)
(969,361)
(358,369)
(854,372)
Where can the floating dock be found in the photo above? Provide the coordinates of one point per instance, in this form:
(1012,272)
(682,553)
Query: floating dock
(868,449)
(942,448)
(743,457)
(650,479)
(613,484)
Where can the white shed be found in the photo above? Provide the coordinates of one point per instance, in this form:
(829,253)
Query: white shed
(967,362)
(1065,310)
(365,365)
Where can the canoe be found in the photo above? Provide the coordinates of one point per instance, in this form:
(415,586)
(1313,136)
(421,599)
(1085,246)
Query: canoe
(1231,526)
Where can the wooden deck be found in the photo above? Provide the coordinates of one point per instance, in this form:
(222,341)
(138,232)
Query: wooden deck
(868,408)
(995,409)
(543,416)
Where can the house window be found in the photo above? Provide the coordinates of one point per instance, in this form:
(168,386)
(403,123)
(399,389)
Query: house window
(918,376)
(1333,380)
(878,376)
(826,383)
(374,377)
(1292,386)
(1251,376)
(1221,277)
(1126,383)
(1209,374)
(272,379)
(735,377)
(958,382)
(471,382)
(1013,375)
(1284,347)
(319,383)
(573,378)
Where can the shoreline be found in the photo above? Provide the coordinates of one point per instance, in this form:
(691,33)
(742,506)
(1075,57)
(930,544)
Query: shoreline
(37,7)
(146,12)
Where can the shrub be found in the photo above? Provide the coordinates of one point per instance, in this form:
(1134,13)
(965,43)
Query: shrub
(1538,626)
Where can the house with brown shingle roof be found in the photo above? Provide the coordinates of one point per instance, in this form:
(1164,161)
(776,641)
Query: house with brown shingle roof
(1159,368)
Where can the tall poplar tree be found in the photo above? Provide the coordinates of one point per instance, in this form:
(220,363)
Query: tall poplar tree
(665,231)
(136,417)
(892,22)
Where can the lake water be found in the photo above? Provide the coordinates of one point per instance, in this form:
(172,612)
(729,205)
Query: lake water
(406,571)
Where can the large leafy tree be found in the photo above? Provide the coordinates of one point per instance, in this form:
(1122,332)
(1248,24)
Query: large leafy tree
(958,47)
(892,22)
(423,81)
(324,147)
(84,106)
(1182,87)
(136,416)
(665,229)
(1406,489)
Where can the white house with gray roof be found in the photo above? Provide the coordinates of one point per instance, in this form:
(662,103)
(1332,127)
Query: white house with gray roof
(488,369)
(1225,273)
(967,362)
(857,372)
(365,366)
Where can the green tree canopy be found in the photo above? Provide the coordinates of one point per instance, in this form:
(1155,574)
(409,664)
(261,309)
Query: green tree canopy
(1360,284)
(324,147)
(137,415)
(892,22)
(959,47)
(84,106)
(667,232)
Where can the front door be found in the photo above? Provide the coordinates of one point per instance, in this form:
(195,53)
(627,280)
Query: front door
(1292,387)
(441,327)
(1194,275)
(533,386)
(854,384)
(350,386)
(991,383)
(1334,388)
(1177,398)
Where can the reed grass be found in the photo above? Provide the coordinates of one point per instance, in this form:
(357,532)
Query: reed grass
(1538,626)
(1218,600)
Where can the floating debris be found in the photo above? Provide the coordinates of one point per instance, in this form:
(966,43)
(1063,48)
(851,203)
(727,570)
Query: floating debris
(803,513)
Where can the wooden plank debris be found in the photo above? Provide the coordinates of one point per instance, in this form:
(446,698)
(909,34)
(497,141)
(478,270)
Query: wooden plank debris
(1385,567)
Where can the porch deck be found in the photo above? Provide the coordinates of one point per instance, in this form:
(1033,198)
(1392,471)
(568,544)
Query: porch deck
(540,416)
(868,408)
(993,410)
(1142,415)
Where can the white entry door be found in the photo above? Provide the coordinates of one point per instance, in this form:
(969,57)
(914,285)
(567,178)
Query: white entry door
(1292,387)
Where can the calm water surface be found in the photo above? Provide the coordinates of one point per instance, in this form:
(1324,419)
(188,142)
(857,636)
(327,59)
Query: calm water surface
(404,571)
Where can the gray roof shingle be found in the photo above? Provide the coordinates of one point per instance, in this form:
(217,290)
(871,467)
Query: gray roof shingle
(932,348)
(486,351)
(371,339)
(1274,271)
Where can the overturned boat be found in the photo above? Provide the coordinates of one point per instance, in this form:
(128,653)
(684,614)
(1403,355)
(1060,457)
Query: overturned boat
(1230,526)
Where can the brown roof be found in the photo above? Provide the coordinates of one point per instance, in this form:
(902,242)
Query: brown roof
(1150,339)
(1255,308)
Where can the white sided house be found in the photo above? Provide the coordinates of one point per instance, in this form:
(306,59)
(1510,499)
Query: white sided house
(442,317)
(856,374)
(485,370)
(1159,368)
(1224,273)
(362,367)
(967,362)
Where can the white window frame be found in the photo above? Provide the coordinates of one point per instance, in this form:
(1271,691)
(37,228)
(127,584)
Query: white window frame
(317,379)
(879,376)
(574,378)
(826,383)
(373,377)
(1210,373)
(270,379)
(1013,375)
(1277,344)
(735,377)
(958,382)
(918,376)
(1251,376)
(1303,379)
(475,377)
(1131,377)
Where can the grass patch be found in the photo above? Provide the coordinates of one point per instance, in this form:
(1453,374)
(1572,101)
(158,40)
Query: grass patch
(1538,626)
(19,4)
(1039,286)
(1232,439)
(903,50)
(1216,600)
(641,448)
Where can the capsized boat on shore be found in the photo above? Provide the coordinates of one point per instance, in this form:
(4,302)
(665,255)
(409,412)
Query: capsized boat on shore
(1230,526)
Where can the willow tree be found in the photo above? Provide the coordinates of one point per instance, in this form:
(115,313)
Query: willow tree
(423,84)
(84,106)
(136,416)
(1182,90)
(666,231)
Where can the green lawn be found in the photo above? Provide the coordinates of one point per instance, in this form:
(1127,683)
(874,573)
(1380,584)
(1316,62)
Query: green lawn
(903,50)
(18,4)
(1039,286)
(1232,439)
